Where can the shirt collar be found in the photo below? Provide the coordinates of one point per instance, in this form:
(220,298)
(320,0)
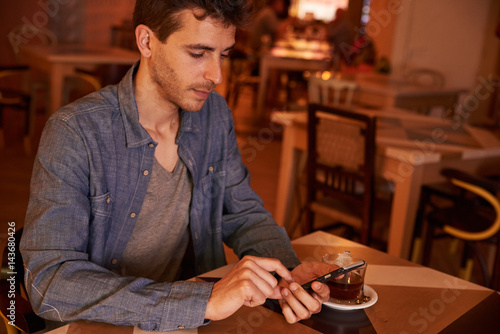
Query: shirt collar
(135,134)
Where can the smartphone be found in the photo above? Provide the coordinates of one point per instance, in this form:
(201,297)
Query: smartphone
(331,275)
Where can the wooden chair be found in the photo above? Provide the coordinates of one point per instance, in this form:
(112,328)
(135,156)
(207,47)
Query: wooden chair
(471,215)
(243,68)
(425,77)
(330,91)
(12,266)
(20,91)
(241,74)
(17,98)
(123,36)
(429,78)
(96,78)
(340,168)
(101,75)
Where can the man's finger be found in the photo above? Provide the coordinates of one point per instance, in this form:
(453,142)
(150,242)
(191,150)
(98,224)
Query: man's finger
(271,265)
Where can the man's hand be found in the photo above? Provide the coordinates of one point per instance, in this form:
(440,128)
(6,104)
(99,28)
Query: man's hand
(299,304)
(249,283)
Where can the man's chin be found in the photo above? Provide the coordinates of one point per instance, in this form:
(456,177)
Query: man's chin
(194,107)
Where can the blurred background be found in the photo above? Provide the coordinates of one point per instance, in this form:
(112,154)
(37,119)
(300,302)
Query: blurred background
(457,37)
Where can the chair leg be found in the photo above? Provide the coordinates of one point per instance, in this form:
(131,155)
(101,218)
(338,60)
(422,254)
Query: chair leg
(365,233)
(9,328)
(453,246)
(307,228)
(495,280)
(417,248)
(491,257)
(467,263)
(427,245)
(366,225)
(228,91)
(482,263)
(29,126)
(418,243)
(2,138)
(236,93)
(301,212)
(466,271)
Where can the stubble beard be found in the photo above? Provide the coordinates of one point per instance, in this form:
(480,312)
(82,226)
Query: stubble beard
(168,83)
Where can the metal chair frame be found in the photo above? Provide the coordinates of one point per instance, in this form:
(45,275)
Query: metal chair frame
(479,196)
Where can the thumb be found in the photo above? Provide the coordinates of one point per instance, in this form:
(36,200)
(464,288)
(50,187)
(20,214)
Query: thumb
(276,293)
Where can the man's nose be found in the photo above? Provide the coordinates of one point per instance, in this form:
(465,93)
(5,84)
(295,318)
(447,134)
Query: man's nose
(214,71)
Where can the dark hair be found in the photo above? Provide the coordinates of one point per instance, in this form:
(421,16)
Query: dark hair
(161,16)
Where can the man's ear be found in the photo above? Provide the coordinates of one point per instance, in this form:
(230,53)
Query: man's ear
(142,37)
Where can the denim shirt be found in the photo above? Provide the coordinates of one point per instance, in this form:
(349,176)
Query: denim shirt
(89,181)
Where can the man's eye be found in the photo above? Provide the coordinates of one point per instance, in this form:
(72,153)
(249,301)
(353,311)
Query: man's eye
(196,55)
(224,56)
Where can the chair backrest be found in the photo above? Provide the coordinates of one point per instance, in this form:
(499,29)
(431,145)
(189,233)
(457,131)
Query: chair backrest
(25,34)
(425,77)
(341,158)
(430,79)
(109,74)
(485,189)
(331,91)
(123,36)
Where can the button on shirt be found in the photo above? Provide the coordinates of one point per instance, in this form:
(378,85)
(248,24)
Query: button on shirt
(88,182)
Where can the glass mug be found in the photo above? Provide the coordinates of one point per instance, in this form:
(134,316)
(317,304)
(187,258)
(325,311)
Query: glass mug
(349,288)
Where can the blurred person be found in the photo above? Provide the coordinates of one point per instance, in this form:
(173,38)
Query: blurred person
(270,23)
(136,188)
(340,34)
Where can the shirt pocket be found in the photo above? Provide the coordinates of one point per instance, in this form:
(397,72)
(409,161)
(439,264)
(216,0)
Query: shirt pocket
(212,198)
(101,206)
(213,182)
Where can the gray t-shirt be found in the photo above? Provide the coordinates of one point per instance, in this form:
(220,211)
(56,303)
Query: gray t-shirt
(161,234)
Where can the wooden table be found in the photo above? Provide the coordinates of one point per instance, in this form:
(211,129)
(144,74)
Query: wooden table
(383,91)
(61,60)
(411,299)
(292,55)
(411,151)
(376,90)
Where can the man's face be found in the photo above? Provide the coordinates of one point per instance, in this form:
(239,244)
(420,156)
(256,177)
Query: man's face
(188,66)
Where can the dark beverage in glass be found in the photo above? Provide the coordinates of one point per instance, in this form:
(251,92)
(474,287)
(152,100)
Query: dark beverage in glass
(346,288)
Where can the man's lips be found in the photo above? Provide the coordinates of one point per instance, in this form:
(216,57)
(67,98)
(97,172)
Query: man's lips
(202,93)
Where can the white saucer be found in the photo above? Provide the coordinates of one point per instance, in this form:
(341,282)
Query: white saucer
(368,291)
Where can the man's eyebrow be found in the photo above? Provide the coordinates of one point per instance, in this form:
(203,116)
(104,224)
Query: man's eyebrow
(207,48)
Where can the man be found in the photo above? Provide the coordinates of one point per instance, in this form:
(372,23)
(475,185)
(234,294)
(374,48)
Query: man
(340,34)
(270,23)
(139,182)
